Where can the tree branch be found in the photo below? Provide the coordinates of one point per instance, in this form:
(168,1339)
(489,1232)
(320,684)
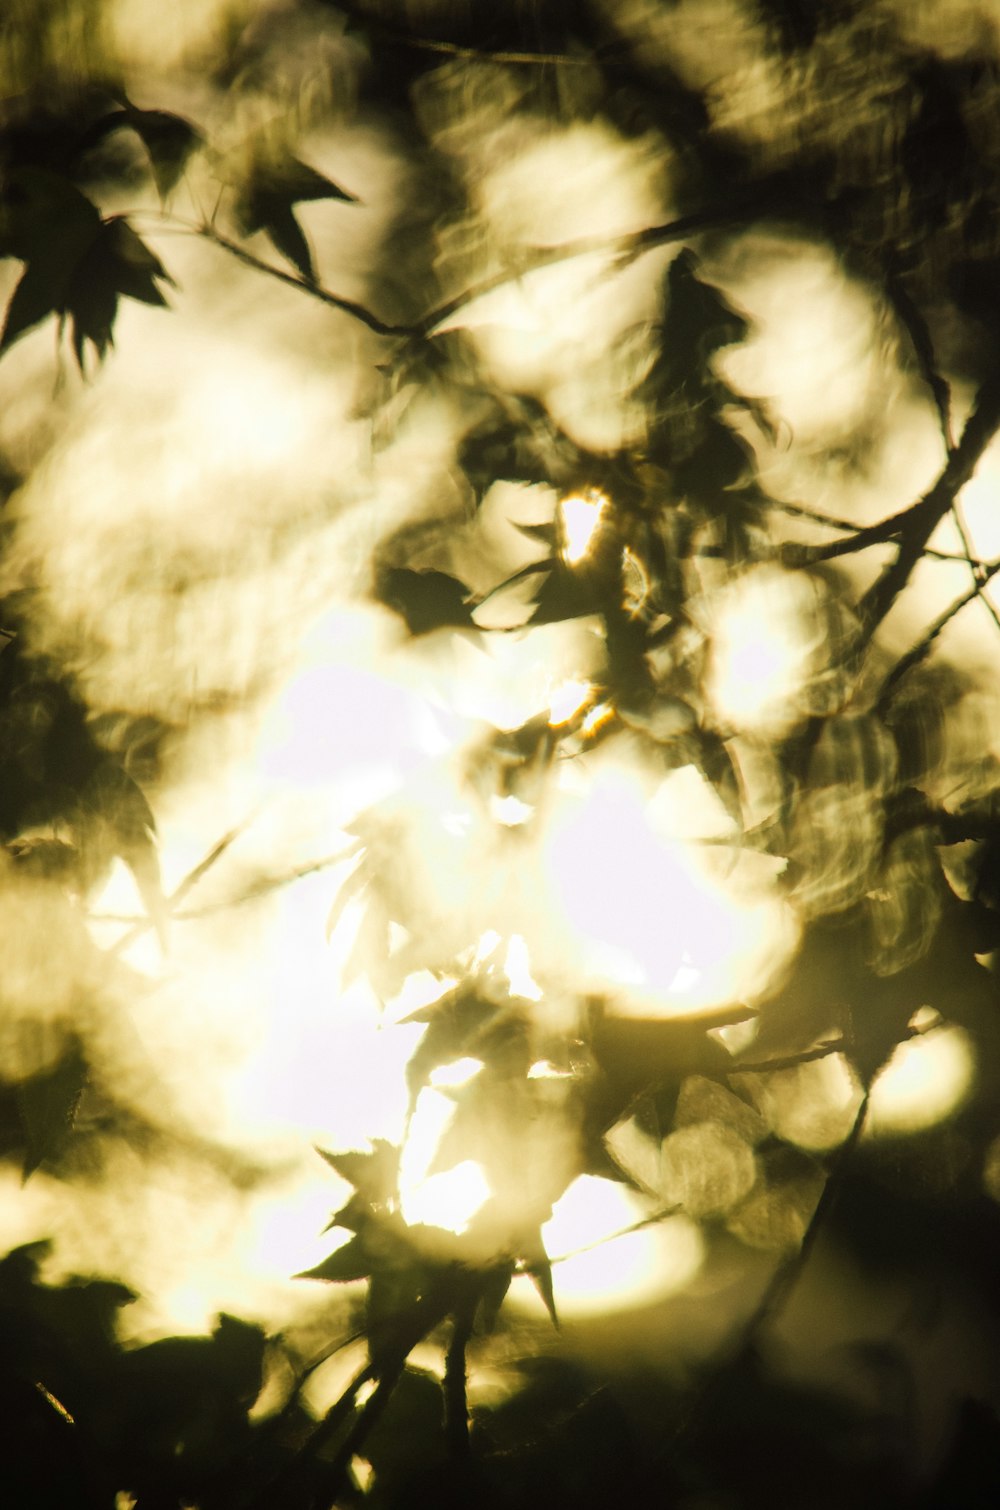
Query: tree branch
(141,925)
(456,1404)
(914,656)
(915,325)
(977,567)
(918,523)
(306,286)
(624,247)
(262,888)
(788,1272)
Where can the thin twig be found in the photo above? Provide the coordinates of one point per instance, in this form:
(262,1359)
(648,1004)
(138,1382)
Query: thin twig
(850,527)
(789,1271)
(779,1287)
(919,651)
(839,1045)
(261,888)
(925,515)
(330,1477)
(915,325)
(306,286)
(142,925)
(977,567)
(799,511)
(644,1221)
(790,1061)
(625,247)
(913,526)
(485,55)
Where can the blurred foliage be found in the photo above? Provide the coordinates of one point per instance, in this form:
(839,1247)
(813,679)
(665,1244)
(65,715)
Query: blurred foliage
(886,847)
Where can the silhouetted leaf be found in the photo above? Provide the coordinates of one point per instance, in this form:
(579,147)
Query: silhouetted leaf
(270,187)
(47,223)
(452,1022)
(425,600)
(373,1175)
(512,604)
(48,1104)
(493,1292)
(535,1263)
(169,140)
(548,534)
(116,263)
(352,1261)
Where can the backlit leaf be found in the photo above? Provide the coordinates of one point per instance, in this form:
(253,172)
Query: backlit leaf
(352,1261)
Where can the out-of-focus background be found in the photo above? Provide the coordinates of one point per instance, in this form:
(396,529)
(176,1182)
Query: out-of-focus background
(420,574)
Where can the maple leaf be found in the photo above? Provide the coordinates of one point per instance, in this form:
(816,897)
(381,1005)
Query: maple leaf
(269,189)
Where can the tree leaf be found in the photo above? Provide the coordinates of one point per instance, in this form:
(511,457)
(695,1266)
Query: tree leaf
(374,1175)
(43,216)
(492,1294)
(169,139)
(48,1104)
(512,605)
(548,533)
(269,189)
(136,266)
(540,1274)
(352,1261)
(426,600)
(118,262)
(457,1023)
(47,223)
(279,222)
(37,295)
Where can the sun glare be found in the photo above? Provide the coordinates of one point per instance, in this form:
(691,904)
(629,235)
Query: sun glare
(448,1198)
(643,909)
(580,515)
(768,646)
(567,700)
(599,1265)
(926,1080)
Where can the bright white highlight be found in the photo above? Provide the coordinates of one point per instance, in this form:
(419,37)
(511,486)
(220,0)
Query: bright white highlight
(567,700)
(510,811)
(449,1199)
(580,515)
(598,1265)
(756,662)
(646,910)
(517,968)
(458,1073)
(925,1081)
